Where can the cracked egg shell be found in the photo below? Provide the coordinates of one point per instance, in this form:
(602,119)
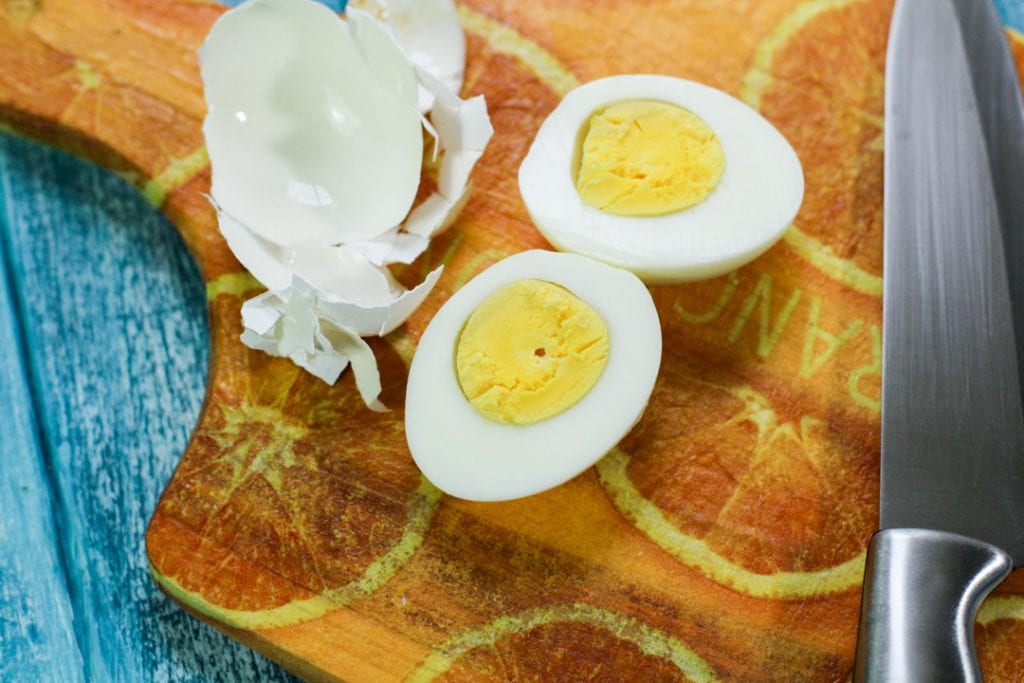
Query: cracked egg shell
(429,32)
(312,128)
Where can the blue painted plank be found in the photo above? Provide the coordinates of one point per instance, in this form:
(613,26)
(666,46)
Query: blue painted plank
(37,641)
(1012,12)
(114,320)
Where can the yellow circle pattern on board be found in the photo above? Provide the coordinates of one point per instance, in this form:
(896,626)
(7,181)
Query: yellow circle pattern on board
(421,512)
(555,75)
(650,640)
(612,471)
(756,81)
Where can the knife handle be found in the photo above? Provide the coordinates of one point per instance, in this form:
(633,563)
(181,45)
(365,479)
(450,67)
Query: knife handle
(922,589)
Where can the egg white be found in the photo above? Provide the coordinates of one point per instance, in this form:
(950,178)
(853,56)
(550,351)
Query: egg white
(468,456)
(758,196)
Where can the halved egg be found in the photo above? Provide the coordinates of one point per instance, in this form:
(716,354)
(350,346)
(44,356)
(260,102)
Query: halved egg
(529,374)
(665,177)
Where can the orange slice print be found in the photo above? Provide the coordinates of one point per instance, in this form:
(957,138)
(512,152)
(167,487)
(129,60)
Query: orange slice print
(292,499)
(568,642)
(818,76)
(771,505)
(723,539)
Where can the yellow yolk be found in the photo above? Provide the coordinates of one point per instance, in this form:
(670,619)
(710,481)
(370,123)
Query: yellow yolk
(647,158)
(530,351)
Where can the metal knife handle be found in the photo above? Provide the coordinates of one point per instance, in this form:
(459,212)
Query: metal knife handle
(922,590)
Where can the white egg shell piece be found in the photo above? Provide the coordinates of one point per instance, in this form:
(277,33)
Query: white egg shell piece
(468,456)
(429,32)
(289,324)
(339,273)
(312,128)
(758,195)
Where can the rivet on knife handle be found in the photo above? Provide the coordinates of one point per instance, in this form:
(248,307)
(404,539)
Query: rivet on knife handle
(922,590)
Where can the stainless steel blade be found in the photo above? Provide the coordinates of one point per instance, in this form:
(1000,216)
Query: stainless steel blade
(1001,108)
(952,430)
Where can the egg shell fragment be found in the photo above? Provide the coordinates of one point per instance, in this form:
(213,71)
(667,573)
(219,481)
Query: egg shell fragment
(316,144)
(289,324)
(755,201)
(429,32)
(313,129)
(468,456)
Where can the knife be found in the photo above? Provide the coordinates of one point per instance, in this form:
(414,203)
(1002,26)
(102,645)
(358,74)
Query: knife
(997,89)
(952,489)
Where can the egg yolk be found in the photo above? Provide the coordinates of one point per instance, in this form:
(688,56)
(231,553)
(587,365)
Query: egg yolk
(647,158)
(530,351)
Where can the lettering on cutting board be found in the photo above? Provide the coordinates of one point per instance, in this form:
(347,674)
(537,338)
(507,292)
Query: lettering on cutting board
(872,369)
(813,360)
(768,332)
(767,312)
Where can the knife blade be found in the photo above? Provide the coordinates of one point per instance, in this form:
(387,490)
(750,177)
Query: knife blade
(952,485)
(997,89)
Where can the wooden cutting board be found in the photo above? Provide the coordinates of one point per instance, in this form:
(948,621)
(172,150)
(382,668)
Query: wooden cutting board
(723,539)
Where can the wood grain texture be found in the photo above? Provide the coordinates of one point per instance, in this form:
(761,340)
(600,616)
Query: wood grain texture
(37,639)
(114,323)
(581,581)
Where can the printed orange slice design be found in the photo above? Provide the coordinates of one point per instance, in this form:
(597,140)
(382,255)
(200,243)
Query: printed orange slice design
(292,498)
(337,503)
(245,533)
(772,506)
(568,642)
(1000,636)
(782,457)
(818,76)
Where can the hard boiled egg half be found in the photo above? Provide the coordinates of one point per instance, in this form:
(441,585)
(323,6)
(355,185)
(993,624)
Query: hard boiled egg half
(665,177)
(529,374)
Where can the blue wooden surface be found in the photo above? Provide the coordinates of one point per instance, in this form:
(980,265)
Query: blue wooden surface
(112,315)
(1013,13)
(103,354)
(36,631)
